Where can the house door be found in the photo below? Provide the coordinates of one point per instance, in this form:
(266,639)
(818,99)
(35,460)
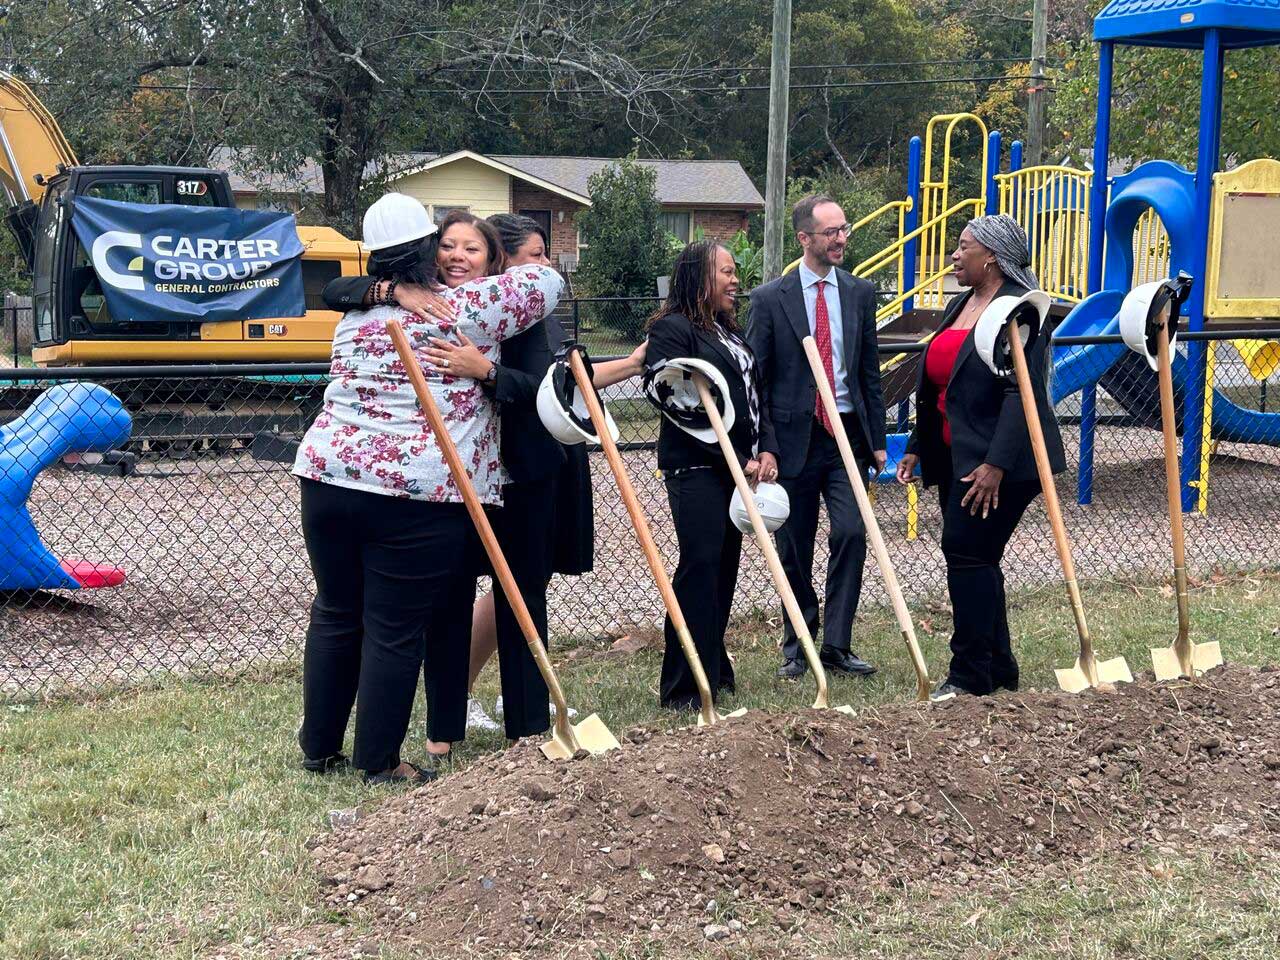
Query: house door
(543,219)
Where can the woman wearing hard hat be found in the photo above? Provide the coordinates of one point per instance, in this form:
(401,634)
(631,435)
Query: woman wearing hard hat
(379,508)
(971,441)
(696,331)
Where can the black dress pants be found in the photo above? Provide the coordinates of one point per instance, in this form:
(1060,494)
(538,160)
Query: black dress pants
(526,531)
(823,475)
(981,650)
(394,585)
(705,580)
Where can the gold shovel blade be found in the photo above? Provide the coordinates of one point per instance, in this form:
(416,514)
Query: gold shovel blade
(1204,656)
(846,709)
(591,735)
(1074,679)
(703,722)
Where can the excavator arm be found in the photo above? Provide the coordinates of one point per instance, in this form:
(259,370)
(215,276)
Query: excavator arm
(31,143)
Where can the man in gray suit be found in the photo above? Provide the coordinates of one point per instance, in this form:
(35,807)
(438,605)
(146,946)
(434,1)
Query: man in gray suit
(838,310)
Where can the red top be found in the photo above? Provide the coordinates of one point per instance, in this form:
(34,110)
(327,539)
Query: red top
(938,363)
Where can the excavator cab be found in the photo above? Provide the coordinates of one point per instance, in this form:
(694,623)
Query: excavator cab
(67,299)
(41,178)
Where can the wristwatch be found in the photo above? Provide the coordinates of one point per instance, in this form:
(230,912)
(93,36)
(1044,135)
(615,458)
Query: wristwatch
(492,375)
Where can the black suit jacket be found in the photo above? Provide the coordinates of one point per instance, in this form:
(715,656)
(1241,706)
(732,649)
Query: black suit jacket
(985,412)
(675,336)
(778,324)
(528,451)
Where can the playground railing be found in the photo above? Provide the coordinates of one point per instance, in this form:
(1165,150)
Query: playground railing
(1051,203)
(201,511)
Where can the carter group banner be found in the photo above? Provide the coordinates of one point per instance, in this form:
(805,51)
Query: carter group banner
(163,262)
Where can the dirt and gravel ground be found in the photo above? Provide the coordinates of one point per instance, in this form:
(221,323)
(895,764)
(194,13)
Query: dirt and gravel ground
(738,835)
(218,576)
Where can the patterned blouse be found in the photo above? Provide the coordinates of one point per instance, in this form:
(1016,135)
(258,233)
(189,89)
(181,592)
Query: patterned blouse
(371,435)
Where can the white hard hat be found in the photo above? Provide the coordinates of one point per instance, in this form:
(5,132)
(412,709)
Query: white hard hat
(1027,311)
(563,411)
(772,502)
(395,219)
(671,389)
(1149,308)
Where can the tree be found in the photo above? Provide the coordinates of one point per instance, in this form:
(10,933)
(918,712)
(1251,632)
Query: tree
(626,243)
(346,83)
(1156,91)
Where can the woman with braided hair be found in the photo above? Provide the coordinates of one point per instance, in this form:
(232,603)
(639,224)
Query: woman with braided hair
(971,441)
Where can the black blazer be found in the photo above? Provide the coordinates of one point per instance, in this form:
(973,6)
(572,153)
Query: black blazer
(778,324)
(675,336)
(985,412)
(528,451)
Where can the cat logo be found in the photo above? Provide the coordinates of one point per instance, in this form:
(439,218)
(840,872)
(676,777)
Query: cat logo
(278,329)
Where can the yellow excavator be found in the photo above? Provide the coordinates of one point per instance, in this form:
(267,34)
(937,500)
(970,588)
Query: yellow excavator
(41,177)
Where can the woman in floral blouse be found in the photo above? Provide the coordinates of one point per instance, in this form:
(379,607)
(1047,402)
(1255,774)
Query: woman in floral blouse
(390,542)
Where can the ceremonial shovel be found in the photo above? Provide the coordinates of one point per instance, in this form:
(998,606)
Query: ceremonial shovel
(566,739)
(923,687)
(1087,670)
(766,545)
(1184,658)
(707,711)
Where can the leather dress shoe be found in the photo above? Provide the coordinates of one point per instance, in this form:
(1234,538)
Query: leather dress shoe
(792,669)
(844,661)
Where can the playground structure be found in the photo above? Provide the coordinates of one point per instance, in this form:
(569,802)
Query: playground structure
(1094,238)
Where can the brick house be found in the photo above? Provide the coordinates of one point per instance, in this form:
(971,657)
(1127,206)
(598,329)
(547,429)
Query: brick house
(714,195)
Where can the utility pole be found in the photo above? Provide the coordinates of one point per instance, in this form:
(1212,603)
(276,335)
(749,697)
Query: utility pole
(775,193)
(1035,95)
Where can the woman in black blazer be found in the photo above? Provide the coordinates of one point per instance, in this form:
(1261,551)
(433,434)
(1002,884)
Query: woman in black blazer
(971,441)
(698,320)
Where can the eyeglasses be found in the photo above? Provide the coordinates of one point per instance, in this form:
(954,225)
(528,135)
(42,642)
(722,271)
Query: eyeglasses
(841,231)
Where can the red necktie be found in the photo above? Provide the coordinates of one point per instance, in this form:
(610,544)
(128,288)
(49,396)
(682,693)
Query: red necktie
(822,334)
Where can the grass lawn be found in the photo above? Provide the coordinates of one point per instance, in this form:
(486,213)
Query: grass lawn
(160,823)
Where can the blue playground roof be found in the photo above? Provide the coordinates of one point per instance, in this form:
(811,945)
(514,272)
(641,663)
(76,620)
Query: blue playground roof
(1182,23)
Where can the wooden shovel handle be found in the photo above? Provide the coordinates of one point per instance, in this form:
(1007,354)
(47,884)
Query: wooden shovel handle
(641,526)
(763,538)
(1052,507)
(869,521)
(501,571)
(1173,480)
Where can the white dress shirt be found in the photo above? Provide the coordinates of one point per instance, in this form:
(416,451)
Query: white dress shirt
(809,284)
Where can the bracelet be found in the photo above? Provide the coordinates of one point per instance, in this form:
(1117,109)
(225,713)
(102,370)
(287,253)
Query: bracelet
(389,294)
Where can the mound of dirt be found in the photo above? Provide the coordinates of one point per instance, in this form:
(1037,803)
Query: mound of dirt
(736,832)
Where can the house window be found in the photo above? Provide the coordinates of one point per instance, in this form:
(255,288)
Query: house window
(678,222)
(438,213)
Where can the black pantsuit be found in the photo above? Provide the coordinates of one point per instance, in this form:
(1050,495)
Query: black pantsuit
(705,580)
(383,604)
(988,425)
(823,476)
(982,657)
(699,488)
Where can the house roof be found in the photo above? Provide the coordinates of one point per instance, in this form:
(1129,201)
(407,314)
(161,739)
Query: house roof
(1182,23)
(692,183)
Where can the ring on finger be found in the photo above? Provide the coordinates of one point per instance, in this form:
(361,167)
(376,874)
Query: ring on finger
(445,364)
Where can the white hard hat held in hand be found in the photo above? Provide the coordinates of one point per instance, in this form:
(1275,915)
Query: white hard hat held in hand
(563,411)
(772,502)
(396,219)
(670,387)
(989,340)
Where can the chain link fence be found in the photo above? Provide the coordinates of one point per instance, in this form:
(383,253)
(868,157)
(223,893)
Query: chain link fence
(200,512)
